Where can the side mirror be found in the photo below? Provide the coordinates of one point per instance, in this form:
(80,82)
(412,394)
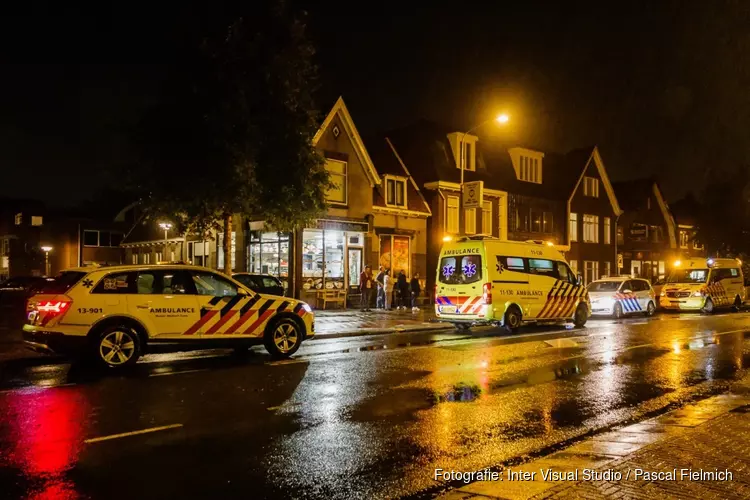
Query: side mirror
(243,292)
(627,291)
(579,279)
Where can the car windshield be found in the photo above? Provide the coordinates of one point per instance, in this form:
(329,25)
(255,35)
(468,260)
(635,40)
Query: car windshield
(688,276)
(460,270)
(604,286)
(62,282)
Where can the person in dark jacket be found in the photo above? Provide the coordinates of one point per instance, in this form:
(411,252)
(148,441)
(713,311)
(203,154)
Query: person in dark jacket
(380,298)
(402,286)
(366,285)
(415,291)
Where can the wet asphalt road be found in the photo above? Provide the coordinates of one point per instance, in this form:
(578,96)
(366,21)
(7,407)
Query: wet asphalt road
(367,417)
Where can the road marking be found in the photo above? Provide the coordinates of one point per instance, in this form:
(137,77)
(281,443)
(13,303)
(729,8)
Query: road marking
(132,433)
(273,408)
(176,373)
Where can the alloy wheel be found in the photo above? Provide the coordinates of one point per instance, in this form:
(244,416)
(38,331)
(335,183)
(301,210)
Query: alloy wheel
(117,347)
(285,337)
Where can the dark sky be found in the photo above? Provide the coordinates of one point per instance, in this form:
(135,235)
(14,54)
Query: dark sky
(663,87)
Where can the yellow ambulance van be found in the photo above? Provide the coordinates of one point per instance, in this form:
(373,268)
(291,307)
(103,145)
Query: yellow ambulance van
(483,280)
(704,285)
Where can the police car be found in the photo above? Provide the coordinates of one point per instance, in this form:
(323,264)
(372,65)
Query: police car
(619,296)
(114,313)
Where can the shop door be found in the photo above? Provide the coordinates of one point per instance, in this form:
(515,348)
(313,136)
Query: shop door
(354,263)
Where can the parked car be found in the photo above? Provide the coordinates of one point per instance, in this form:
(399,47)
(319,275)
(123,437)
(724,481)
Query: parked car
(14,293)
(261,283)
(622,295)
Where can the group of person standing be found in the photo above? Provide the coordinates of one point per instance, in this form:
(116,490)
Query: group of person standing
(404,292)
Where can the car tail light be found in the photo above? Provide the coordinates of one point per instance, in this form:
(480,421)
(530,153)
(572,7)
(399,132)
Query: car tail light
(49,307)
(487,293)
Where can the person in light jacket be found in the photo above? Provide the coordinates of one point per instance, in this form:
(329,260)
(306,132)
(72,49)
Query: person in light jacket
(388,289)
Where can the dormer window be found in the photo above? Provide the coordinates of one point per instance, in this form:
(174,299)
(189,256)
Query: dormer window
(395,191)
(464,148)
(527,163)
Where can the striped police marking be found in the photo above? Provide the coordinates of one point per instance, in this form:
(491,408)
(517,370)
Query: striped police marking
(282,307)
(299,309)
(226,313)
(562,300)
(205,318)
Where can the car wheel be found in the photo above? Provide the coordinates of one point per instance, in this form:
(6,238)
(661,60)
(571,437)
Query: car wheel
(581,316)
(650,309)
(708,306)
(513,319)
(117,347)
(617,314)
(737,304)
(283,337)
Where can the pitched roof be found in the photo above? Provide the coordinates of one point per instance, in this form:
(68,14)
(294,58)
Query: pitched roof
(633,194)
(388,163)
(426,150)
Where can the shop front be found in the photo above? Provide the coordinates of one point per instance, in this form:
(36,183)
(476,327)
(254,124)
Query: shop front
(395,253)
(332,258)
(268,253)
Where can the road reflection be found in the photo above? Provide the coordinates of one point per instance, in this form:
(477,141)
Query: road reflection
(43,438)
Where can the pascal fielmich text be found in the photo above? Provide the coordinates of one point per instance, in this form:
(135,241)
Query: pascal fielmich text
(584,475)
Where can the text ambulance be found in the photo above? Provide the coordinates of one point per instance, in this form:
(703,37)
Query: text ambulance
(704,285)
(488,281)
(114,313)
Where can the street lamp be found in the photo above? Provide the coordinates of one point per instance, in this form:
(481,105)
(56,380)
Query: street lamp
(501,119)
(46,250)
(166,226)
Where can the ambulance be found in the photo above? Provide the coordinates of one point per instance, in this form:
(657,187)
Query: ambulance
(113,314)
(704,285)
(487,281)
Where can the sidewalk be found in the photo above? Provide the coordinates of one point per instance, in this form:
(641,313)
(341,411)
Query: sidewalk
(352,323)
(710,435)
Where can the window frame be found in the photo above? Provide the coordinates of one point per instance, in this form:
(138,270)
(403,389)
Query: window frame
(345,175)
(472,218)
(591,186)
(607,228)
(487,217)
(448,209)
(193,273)
(391,195)
(593,221)
(573,226)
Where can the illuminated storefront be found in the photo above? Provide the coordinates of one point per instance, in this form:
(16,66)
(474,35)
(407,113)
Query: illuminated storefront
(268,253)
(395,253)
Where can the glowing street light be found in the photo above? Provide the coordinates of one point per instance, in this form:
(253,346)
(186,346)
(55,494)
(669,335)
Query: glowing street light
(503,118)
(46,249)
(166,226)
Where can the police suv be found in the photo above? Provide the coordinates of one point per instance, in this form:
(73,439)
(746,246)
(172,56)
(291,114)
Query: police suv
(114,313)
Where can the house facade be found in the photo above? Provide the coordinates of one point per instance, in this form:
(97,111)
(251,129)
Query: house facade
(74,239)
(528,195)
(646,232)
(685,213)
(593,212)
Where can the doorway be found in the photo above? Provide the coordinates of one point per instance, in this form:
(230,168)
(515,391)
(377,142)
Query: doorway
(354,267)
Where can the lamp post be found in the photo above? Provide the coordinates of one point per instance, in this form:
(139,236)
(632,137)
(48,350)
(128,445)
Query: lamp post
(46,250)
(501,119)
(166,226)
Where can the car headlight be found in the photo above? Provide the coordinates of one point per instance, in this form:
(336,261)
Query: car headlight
(663,294)
(698,294)
(306,307)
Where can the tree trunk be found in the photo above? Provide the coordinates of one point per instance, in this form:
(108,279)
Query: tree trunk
(227,244)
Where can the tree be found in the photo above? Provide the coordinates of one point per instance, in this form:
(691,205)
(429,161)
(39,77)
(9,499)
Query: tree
(233,129)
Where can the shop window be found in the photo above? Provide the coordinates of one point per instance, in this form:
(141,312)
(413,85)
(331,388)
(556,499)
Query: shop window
(394,254)
(268,253)
(334,259)
(338,177)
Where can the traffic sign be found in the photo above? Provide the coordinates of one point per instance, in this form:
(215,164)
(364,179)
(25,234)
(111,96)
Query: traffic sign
(473,194)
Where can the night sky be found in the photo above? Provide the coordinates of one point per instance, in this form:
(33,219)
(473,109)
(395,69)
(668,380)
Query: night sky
(663,87)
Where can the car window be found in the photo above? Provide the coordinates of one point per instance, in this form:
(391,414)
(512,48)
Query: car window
(543,267)
(212,284)
(115,283)
(246,280)
(460,270)
(604,286)
(516,264)
(735,272)
(147,283)
(270,281)
(565,274)
(62,282)
(628,285)
(177,282)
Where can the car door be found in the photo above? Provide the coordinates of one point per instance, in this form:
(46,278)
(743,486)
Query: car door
(227,310)
(164,300)
(643,294)
(629,300)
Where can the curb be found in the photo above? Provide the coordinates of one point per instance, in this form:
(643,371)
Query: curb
(363,332)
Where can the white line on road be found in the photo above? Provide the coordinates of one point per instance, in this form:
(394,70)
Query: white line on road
(176,373)
(132,433)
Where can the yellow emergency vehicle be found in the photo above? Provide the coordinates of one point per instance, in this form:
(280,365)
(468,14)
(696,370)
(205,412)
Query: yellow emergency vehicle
(114,313)
(483,280)
(704,285)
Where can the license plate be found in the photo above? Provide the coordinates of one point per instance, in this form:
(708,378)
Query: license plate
(448,309)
